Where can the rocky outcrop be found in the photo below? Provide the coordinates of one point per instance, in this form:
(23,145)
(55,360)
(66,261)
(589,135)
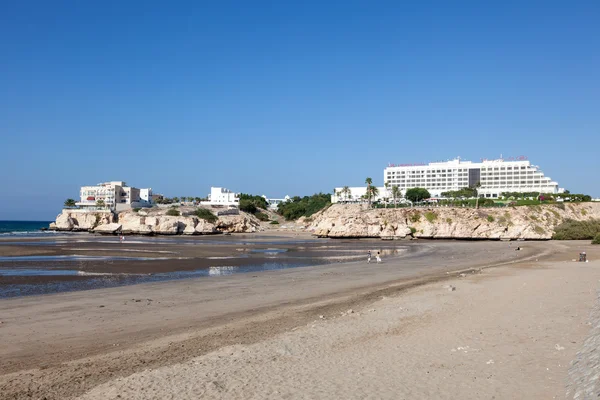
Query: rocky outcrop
(108,228)
(525,222)
(76,220)
(155,221)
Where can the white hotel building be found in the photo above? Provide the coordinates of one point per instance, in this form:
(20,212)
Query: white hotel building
(495,177)
(116,195)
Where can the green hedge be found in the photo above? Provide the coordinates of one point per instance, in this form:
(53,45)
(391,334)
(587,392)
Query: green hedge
(173,212)
(577,230)
(206,215)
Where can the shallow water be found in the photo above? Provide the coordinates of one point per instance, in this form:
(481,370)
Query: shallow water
(94,280)
(36,272)
(80,258)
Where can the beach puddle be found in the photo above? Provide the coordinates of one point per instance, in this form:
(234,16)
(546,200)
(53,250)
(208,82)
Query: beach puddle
(37,272)
(81,258)
(69,280)
(270,252)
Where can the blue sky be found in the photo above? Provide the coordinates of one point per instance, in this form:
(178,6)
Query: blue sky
(290,98)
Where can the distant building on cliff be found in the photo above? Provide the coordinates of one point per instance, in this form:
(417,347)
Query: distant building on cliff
(220,196)
(493,176)
(274,203)
(115,195)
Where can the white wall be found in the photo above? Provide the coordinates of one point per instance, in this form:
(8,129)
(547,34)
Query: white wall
(222,196)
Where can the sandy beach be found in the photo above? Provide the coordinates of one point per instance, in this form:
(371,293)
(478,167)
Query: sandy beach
(411,327)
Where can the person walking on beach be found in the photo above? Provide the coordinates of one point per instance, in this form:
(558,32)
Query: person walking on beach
(378,258)
(369,257)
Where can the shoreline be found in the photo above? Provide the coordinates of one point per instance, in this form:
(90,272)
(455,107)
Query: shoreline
(175,321)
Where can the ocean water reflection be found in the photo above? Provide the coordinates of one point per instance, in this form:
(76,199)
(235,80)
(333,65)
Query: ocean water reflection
(84,280)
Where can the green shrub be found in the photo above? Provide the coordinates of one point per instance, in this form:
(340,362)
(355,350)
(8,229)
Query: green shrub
(173,212)
(416,217)
(136,209)
(577,230)
(584,212)
(539,230)
(258,201)
(206,215)
(274,223)
(449,220)
(430,216)
(413,230)
(305,206)
(248,206)
(261,216)
(596,239)
(490,218)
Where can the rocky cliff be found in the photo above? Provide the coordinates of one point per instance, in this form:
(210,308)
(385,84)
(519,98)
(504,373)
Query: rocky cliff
(154,221)
(525,222)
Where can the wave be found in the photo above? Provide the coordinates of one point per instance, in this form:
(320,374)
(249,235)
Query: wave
(20,233)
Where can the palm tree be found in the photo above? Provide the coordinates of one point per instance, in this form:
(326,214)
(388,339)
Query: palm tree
(369,181)
(396,193)
(69,203)
(100,204)
(347,192)
(374,192)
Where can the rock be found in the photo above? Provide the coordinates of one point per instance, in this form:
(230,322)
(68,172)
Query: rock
(511,223)
(108,228)
(155,221)
(205,228)
(189,230)
(350,311)
(81,220)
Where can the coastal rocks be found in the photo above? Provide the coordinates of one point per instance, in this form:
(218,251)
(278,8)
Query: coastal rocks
(108,228)
(155,220)
(77,220)
(507,223)
(168,225)
(238,224)
(205,228)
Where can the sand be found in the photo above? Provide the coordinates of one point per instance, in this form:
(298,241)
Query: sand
(506,332)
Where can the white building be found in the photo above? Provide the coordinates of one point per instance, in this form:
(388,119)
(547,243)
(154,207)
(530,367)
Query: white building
(494,176)
(274,203)
(222,197)
(115,195)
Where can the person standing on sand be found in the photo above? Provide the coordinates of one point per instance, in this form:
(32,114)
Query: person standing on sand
(378,258)
(369,257)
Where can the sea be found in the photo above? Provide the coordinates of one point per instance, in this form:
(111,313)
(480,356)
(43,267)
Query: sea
(23,228)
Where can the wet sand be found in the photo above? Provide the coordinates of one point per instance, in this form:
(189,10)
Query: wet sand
(76,262)
(63,345)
